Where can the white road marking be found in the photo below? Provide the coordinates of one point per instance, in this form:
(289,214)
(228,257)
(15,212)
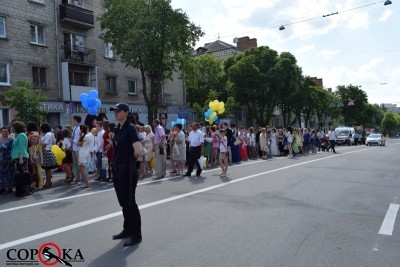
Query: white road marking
(112,189)
(390,218)
(166,200)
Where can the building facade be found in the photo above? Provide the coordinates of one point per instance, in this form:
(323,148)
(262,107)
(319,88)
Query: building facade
(55,45)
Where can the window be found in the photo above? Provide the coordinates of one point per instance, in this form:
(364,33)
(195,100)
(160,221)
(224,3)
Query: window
(37,34)
(74,41)
(4,74)
(39,77)
(132,88)
(108,52)
(78,78)
(2,27)
(75,2)
(111,84)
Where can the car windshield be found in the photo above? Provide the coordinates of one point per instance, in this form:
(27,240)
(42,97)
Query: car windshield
(374,136)
(342,132)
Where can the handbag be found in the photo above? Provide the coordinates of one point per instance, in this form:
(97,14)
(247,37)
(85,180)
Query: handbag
(104,162)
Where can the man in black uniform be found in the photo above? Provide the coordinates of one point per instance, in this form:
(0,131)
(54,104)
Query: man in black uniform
(127,149)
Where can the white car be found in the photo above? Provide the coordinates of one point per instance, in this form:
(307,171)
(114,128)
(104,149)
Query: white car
(375,139)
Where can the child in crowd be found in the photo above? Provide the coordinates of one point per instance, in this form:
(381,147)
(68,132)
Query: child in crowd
(67,161)
(224,153)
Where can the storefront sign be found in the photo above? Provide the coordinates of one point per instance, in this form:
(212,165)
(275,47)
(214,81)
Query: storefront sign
(53,107)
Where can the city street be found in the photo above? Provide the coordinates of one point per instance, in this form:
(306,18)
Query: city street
(316,210)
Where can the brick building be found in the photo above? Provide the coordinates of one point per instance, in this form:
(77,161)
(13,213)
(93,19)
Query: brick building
(54,44)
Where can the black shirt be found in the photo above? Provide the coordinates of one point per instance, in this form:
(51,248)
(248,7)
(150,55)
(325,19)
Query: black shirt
(123,139)
(229,136)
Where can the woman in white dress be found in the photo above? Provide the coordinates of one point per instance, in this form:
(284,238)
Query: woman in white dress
(264,143)
(274,143)
(148,144)
(86,143)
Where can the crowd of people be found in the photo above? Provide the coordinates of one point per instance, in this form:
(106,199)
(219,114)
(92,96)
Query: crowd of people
(89,149)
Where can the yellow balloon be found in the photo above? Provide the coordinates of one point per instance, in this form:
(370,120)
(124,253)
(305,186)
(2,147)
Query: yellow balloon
(221,105)
(221,110)
(214,105)
(58,153)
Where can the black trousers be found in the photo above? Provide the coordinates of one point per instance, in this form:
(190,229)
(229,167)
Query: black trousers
(332,145)
(194,155)
(125,181)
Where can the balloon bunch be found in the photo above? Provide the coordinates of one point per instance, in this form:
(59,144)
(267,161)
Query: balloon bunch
(181,121)
(90,101)
(58,153)
(216,107)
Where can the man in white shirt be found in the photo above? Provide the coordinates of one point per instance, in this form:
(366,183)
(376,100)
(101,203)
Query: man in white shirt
(75,148)
(99,151)
(332,140)
(196,149)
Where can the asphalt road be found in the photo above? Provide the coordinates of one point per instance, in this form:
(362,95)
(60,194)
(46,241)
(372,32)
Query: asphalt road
(316,210)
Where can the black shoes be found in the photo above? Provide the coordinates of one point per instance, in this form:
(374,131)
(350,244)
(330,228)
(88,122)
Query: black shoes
(121,235)
(187,174)
(133,241)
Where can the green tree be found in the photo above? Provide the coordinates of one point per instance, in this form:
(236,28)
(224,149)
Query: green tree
(252,76)
(151,36)
(202,75)
(26,101)
(352,113)
(286,79)
(391,122)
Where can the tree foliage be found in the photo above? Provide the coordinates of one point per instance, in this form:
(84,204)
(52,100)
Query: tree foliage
(252,75)
(151,36)
(202,75)
(352,113)
(391,123)
(26,101)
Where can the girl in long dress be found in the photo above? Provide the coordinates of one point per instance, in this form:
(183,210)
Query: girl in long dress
(179,149)
(148,144)
(86,143)
(274,143)
(264,143)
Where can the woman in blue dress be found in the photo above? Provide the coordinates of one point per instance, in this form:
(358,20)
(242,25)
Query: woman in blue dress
(7,181)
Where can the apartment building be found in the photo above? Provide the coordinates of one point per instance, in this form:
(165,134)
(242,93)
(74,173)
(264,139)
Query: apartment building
(54,44)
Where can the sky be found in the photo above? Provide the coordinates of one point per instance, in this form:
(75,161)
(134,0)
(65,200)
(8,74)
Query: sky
(360,45)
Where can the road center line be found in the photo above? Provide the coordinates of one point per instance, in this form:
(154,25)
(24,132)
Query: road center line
(155,203)
(390,218)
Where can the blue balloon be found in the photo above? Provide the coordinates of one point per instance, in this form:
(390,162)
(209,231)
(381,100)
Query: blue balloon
(98,103)
(215,118)
(85,103)
(83,97)
(91,102)
(173,123)
(92,110)
(93,94)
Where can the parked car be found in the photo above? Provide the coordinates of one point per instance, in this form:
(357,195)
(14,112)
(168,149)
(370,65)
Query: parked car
(375,139)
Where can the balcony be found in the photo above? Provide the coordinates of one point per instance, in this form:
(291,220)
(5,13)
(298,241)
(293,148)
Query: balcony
(76,16)
(72,54)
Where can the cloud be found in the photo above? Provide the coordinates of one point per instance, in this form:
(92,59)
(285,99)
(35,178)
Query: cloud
(328,54)
(358,20)
(304,49)
(386,15)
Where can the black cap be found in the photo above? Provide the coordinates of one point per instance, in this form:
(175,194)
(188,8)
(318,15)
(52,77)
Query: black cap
(120,106)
